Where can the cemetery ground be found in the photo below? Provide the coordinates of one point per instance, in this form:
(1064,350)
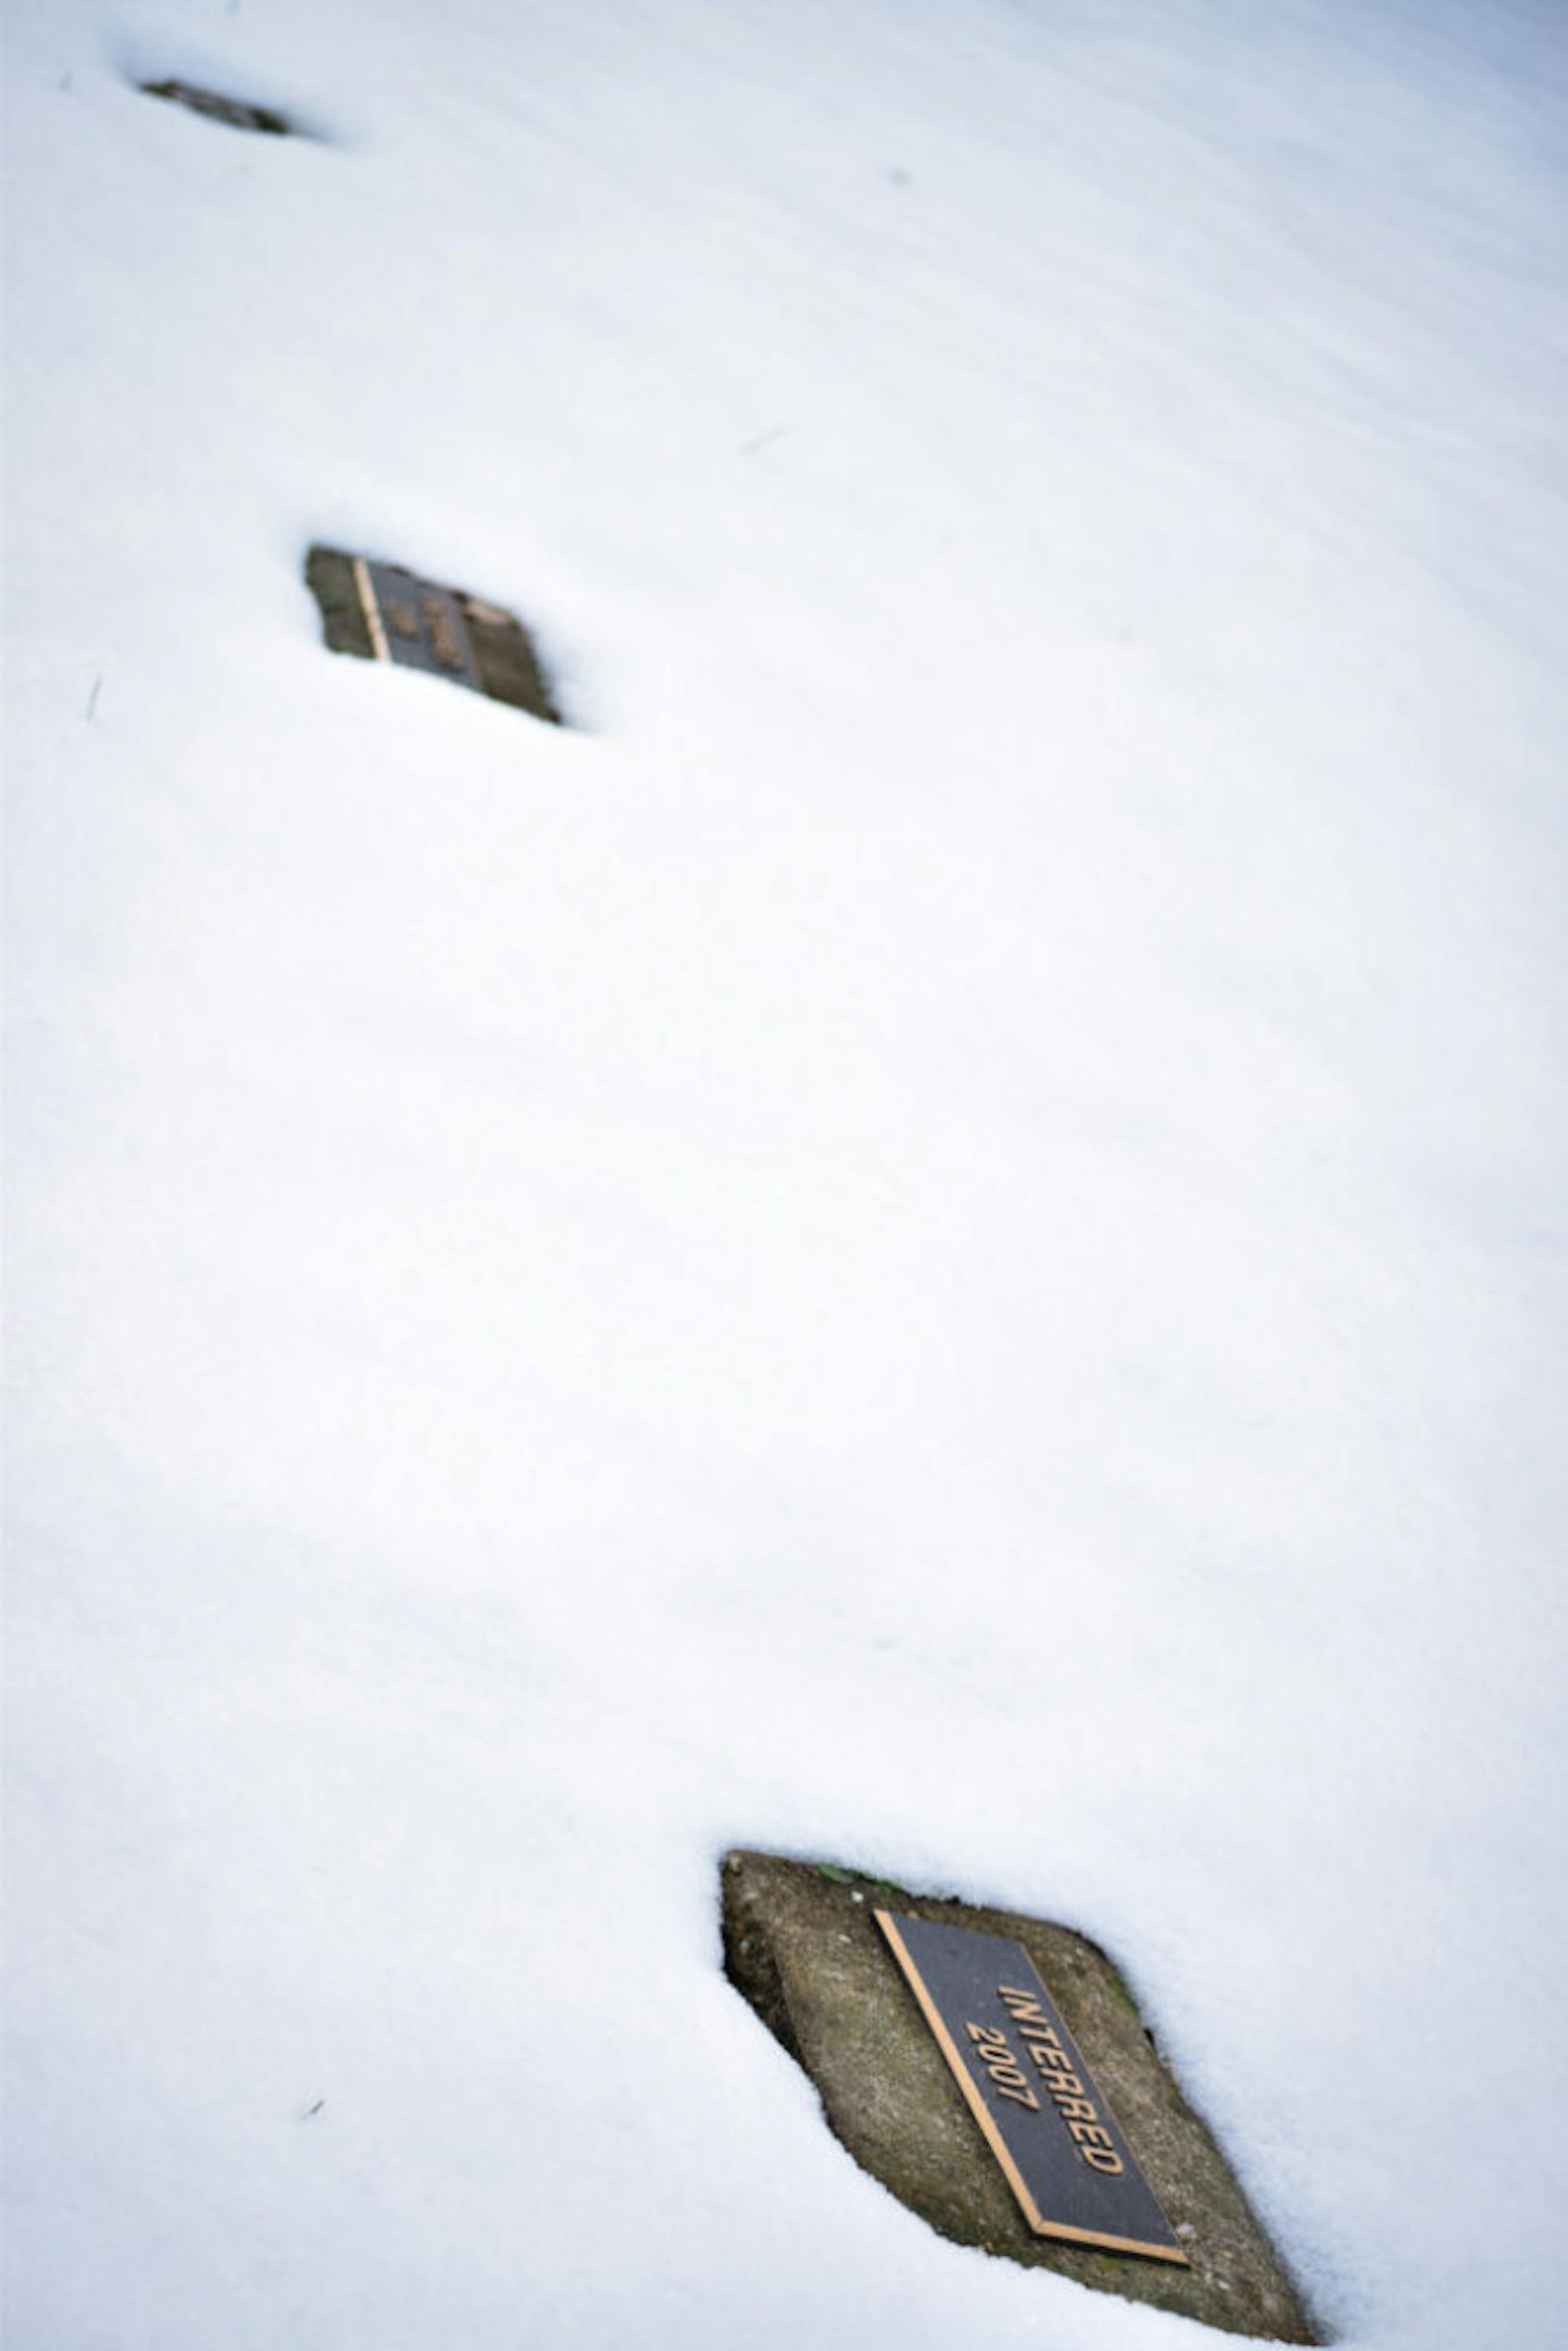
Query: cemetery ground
(786,842)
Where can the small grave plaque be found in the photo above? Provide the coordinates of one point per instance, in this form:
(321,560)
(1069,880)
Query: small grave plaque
(384,612)
(1045,2118)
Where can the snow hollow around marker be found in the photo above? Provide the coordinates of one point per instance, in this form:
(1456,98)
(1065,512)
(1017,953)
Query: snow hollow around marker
(936,1240)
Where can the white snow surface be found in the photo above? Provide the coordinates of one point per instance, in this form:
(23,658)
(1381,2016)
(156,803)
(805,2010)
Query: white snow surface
(934,1239)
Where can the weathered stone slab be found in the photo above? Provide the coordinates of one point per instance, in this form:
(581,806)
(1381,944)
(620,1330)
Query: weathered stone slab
(382,611)
(802,1944)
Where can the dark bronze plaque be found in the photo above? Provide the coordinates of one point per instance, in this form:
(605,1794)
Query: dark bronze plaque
(1044,2116)
(414,622)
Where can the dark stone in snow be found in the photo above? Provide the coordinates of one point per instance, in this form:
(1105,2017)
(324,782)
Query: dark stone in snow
(237,113)
(801,1942)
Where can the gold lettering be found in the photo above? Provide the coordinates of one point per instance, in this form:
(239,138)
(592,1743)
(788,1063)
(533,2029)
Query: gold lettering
(1090,2134)
(1007,2078)
(1068,2107)
(1103,2158)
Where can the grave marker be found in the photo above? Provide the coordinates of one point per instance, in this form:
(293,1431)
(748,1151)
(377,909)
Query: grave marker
(383,611)
(863,1982)
(237,113)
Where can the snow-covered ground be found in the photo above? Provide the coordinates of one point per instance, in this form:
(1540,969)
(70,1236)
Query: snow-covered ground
(936,1239)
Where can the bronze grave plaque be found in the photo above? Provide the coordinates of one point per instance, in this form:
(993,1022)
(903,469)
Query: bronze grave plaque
(1044,2118)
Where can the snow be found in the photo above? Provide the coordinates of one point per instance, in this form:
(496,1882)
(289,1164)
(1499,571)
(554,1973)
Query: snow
(935,1240)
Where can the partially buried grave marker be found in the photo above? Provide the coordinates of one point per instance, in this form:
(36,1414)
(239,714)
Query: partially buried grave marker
(239,113)
(382,611)
(1052,2134)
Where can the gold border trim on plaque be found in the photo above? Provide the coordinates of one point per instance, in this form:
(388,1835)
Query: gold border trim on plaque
(370,608)
(983,2116)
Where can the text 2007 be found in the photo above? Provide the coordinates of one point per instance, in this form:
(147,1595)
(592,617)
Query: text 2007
(1007,2077)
